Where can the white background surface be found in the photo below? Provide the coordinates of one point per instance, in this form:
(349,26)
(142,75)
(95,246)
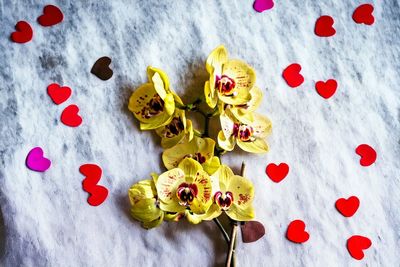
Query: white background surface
(46,219)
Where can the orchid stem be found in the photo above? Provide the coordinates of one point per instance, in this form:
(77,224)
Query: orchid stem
(223,231)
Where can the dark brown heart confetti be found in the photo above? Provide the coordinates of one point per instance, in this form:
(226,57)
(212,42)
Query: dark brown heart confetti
(101,68)
(252,231)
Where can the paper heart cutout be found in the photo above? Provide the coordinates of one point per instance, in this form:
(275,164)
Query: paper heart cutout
(363,14)
(292,75)
(252,231)
(51,15)
(347,207)
(23,34)
(101,68)
(98,194)
(356,244)
(59,94)
(262,5)
(324,26)
(367,153)
(277,172)
(70,116)
(296,232)
(326,89)
(35,160)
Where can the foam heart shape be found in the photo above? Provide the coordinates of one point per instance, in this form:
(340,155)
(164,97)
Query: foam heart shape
(35,160)
(262,5)
(356,244)
(324,26)
(59,94)
(326,89)
(347,207)
(367,153)
(23,34)
(70,116)
(52,15)
(101,68)
(296,232)
(363,14)
(97,193)
(292,75)
(252,231)
(277,172)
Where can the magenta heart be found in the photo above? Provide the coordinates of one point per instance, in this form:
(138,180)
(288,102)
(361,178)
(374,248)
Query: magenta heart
(35,160)
(262,5)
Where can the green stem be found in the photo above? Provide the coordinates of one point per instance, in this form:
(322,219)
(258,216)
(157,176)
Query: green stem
(223,231)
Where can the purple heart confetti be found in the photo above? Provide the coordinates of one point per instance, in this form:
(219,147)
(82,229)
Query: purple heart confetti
(262,5)
(35,160)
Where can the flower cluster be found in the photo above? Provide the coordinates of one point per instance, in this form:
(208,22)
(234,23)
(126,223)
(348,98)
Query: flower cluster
(196,185)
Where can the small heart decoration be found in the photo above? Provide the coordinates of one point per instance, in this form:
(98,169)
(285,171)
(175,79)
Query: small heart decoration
(59,94)
(326,89)
(101,68)
(364,14)
(292,75)
(347,207)
(97,193)
(296,232)
(262,5)
(367,153)
(35,160)
(324,26)
(23,34)
(252,231)
(356,244)
(52,15)
(70,116)
(277,172)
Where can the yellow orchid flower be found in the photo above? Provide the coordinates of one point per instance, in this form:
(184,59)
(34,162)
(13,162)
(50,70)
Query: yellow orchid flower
(174,132)
(249,135)
(199,149)
(230,79)
(153,103)
(233,195)
(245,111)
(144,208)
(187,187)
(189,215)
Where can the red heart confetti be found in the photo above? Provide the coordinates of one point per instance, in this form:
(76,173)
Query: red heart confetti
(59,94)
(292,75)
(98,193)
(296,232)
(262,5)
(70,116)
(52,15)
(367,154)
(277,172)
(363,14)
(252,231)
(23,34)
(326,89)
(347,207)
(356,244)
(324,26)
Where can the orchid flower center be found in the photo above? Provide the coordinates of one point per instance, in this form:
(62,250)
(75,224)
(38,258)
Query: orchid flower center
(186,193)
(224,200)
(225,85)
(243,132)
(174,128)
(197,156)
(154,107)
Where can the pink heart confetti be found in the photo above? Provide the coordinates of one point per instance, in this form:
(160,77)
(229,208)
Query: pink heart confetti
(35,160)
(262,5)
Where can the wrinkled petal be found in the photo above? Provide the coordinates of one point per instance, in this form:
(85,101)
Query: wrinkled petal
(261,125)
(227,123)
(243,117)
(213,212)
(240,214)
(155,223)
(162,78)
(256,98)
(191,168)
(216,59)
(141,190)
(241,188)
(210,96)
(167,185)
(224,143)
(223,176)
(243,75)
(145,210)
(256,146)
